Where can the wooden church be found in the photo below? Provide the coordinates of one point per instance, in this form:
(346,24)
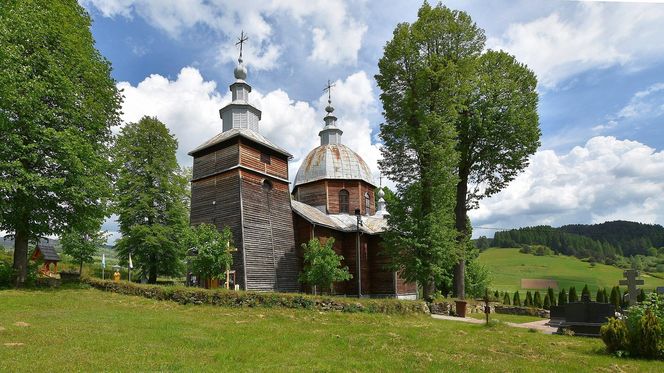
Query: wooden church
(240,180)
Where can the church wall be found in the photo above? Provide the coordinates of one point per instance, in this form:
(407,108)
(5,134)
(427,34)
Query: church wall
(313,194)
(382,280)
(404,287)
(266,161)
(215,161)
(216,200)
(366,188)
(269,242)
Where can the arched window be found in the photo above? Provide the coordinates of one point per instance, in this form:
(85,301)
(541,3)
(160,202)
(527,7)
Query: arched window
(367,204)
(267,185)
(343,201)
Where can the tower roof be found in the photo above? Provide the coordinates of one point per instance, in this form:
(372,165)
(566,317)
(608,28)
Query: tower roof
(333,161)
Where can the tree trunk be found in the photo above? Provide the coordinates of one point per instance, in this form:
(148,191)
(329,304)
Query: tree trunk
(460,222)
(152,275)
(21,255)
(80,269)
(428,289)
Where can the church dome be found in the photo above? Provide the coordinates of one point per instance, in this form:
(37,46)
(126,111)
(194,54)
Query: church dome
(333,161)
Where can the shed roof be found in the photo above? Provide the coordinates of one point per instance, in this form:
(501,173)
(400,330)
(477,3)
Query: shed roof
(339,222)
(244,133)
(48,252)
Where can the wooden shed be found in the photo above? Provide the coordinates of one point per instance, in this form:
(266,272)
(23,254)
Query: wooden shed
(49,255)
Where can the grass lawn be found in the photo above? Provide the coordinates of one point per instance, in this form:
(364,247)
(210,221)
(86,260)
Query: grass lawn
(90,330)
(509,266)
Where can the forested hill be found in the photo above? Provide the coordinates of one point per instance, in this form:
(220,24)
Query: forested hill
(599,241)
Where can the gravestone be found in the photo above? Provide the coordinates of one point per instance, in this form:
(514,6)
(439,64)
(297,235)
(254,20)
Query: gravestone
(631,282)
(586,318)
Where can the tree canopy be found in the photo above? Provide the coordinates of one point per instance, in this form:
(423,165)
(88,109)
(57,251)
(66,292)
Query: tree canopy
(151,198)
(57,104)
(322,266)
(213,250)
(82,246)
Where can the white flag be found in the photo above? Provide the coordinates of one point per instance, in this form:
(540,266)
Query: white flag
(131,265)
(103,260)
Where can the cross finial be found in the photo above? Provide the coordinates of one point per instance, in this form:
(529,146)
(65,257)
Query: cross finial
(243,38)
(328,89)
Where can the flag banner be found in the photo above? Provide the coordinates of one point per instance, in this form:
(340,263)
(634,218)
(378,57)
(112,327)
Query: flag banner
(103,260)
(131,265)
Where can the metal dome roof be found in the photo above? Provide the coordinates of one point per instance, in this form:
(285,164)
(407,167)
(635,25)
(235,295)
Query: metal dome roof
(333,161)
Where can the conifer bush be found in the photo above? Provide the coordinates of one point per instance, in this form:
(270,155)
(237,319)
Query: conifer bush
(572,295)
(641,296)
(599,297)
(517,299)
(615,297)
(537,300)
(529,299)
(547,302)
(552,297)
(562,297)
(585,293)
(614,335)
(506,299)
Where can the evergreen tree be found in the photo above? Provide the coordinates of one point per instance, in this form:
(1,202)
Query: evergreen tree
(517,299)
(552,297)
(585,293)
(615,297)
(547,302)
(537,300)
(529,299)
(151,198)
(599,297)
(562,297)
(572,295)
(641,296)
(58,103)
(506,299)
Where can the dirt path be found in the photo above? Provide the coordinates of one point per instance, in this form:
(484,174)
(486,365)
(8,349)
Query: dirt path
(537,325)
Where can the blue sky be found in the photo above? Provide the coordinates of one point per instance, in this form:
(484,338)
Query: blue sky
(600,67)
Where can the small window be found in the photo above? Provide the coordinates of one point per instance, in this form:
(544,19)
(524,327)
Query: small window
(367,203)
(267,185)
(265,158)
(343,201)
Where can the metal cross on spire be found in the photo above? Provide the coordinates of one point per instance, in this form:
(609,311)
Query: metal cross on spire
(328,89)
(243,38)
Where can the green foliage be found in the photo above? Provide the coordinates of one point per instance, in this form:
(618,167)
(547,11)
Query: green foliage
(573,297)
(213,250)
(585,293)
(477,279)
(6,271)
(482,243)
(230,298)
(649,336)
(562,297)
(615,297)
(152,198)
(615,335)
(506,299)
(322,266)
(641,296)
(517,299)
(552,296)
(82,246)
(599,297)
(57,105)
(537,300)
(529,299)
(547,302)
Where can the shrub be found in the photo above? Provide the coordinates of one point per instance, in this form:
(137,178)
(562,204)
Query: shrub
(572,295)
(615,336)
(6,273)
(517,299)
(547,302)
(537,300)
(506,299)
(585,294)
(648,336)
(562,297)
(552,297)
(599,297)
(641,296)
(529,299)
(615,297)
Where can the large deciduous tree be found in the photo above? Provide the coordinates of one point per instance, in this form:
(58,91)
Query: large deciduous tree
(454,115)
(82,246)
(57,104)
(151,198)
(423,75)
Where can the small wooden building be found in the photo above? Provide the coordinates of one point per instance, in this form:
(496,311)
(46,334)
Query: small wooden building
(49,255)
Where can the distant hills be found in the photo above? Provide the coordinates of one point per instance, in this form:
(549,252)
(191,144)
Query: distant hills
(598,241)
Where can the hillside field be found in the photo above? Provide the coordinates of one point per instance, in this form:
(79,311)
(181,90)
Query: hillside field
(509,266)
(89,330)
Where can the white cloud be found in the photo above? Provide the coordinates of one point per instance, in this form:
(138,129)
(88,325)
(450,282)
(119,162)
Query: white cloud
(646,103)
(606,179)
(336,37)
(585,36)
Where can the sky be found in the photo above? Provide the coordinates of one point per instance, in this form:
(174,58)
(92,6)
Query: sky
(600,68)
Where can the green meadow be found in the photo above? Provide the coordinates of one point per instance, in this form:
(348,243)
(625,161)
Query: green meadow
(509,266)
(89,330)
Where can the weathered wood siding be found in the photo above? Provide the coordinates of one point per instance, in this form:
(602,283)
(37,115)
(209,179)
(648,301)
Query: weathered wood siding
(269,241)
(224,191)
(313,194)
(382,280)
(215,161)
(263,160)
(405,288)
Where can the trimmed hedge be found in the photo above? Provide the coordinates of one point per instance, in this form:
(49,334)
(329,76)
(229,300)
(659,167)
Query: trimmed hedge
(229,298)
